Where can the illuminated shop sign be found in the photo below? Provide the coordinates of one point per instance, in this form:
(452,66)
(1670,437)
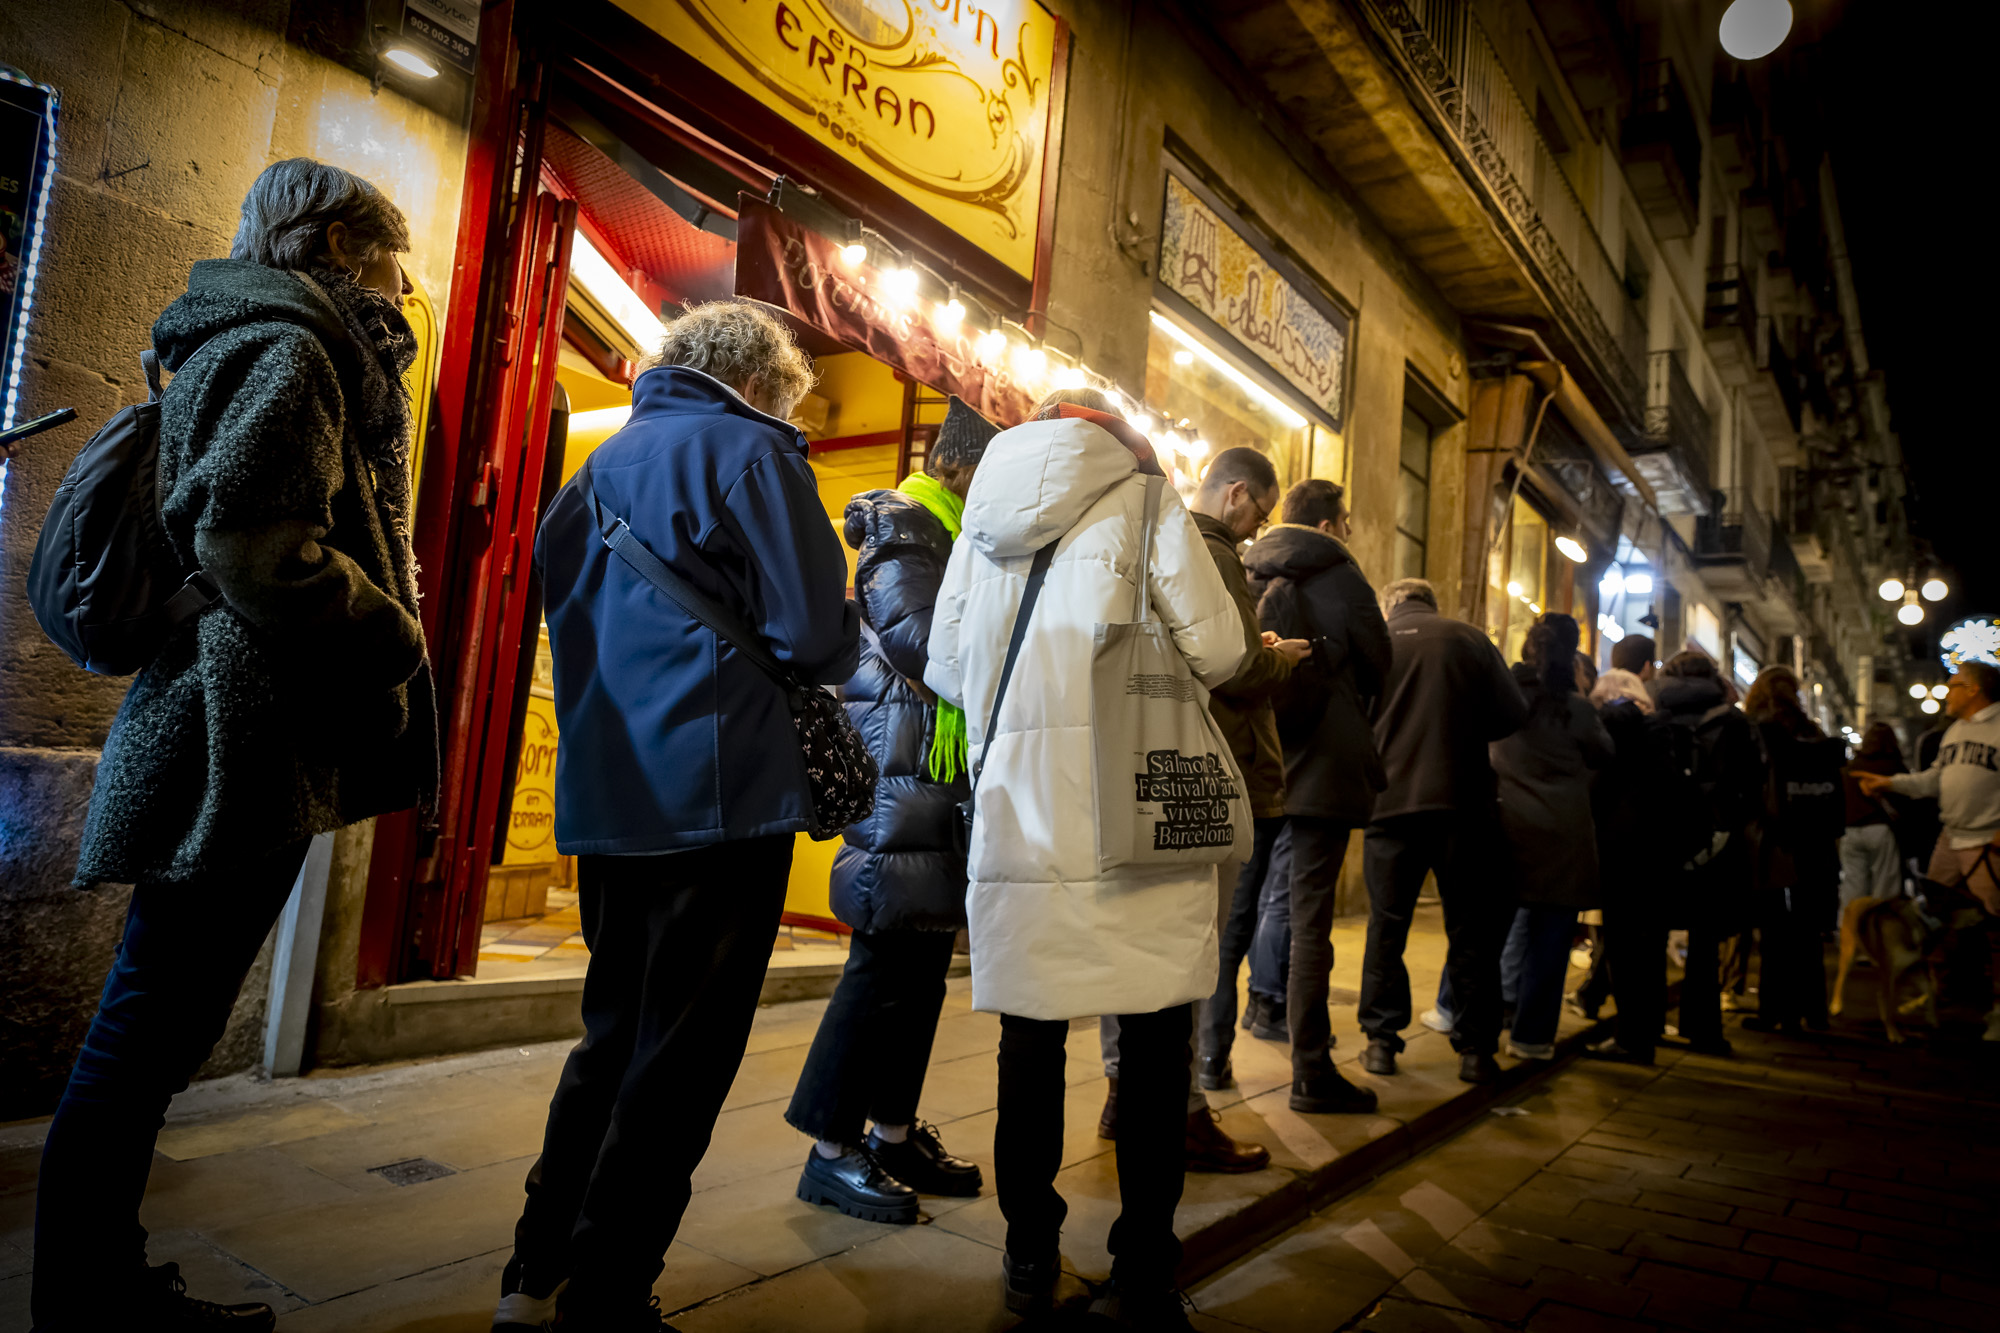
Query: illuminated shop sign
(1213,271)
(946,102)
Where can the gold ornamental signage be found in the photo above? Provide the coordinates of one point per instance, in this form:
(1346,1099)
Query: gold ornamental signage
(945,102)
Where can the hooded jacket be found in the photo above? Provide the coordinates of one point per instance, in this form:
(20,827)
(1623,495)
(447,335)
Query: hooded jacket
(1309,587)
(1544,771)
(1448,694)
(900,868)
(1052,936)
(671,737)
(302,702)
(1242,704)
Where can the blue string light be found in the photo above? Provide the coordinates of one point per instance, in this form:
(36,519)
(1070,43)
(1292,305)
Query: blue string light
(36,226)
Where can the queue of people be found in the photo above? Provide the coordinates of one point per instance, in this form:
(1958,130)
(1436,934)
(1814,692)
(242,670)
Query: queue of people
(693,595)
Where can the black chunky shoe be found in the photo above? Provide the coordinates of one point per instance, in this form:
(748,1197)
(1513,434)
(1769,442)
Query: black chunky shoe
(1331,1095)
(921,1162)
(1216,1073)
(858,1186)
(1268,1020)
(641,1319)
(1379,1058)
(1029,1287)
(1107,1119)
(164,1306)
(1476,1068)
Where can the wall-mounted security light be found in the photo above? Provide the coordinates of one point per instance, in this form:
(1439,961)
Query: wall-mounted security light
(1573,549)
(1752,29)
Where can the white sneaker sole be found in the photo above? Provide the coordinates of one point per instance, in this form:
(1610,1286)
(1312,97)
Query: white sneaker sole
(519,1311)
(1435,1021)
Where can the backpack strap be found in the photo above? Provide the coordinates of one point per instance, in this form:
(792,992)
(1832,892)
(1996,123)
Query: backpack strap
(149,361)
(1038,573)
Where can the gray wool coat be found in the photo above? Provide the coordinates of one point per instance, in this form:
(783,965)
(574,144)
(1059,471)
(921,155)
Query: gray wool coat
(303,701)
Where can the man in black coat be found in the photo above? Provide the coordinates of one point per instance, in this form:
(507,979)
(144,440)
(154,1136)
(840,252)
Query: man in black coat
(1448,695)
(1311,588)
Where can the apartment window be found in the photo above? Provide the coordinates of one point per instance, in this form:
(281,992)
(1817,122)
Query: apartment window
(1413,495)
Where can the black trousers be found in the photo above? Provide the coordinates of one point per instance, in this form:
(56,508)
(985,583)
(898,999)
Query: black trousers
(873,1047)
(1634,940)
(1239,931)
(186,949)
(1319,846)
(1152,1139)
(1464,853)
(1791,984)
(678,947)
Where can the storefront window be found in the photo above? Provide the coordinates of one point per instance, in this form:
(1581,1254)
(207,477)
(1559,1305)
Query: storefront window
(1528,548)
(1200,405)
(1413,496)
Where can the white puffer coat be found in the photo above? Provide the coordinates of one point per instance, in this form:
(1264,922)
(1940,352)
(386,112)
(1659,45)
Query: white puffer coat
(1051,936)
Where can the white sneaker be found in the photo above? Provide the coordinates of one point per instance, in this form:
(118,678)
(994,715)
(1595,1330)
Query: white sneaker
(519,1310)
(1531,1050)
(1435,1021)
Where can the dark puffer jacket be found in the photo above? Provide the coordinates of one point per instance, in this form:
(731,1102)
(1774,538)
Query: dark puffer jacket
(304,702)
(1310,588)
(899,868)
(1544,770)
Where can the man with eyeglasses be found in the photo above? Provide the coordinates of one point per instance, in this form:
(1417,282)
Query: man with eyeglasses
(1965,782)
(1236,496)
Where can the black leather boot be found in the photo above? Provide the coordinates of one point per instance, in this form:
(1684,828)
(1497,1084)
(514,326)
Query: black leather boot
(1107,1119)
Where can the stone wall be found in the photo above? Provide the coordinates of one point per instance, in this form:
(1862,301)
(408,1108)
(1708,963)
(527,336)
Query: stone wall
(169,110)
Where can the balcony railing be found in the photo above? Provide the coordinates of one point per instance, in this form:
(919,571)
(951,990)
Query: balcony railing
(1673,452)
(1774,360)
(1448,54)
(1661,147)
(1785,569)
(1731,300)
(1732,545)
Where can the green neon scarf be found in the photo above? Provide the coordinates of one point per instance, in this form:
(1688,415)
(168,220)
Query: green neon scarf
(949,743)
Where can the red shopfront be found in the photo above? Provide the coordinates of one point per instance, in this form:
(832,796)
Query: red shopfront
(627,157)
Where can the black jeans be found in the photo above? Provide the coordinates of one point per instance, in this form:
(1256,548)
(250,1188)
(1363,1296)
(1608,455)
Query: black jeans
(1791,983)
(1152,1139)
(1478,908)
(873,1046)
(1239,929)
(678,947)
(1634,941)
(166,1001)
(1318,848)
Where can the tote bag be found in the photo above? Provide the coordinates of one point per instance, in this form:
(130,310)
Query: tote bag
(1168,789)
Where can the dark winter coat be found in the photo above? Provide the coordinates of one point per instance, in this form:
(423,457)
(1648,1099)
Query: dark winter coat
(901,868)
(1448,694)
(1544,771)
(1719,745)
(1647,806)
(671,737)
(1241,705)
(303,701)
(1309,587)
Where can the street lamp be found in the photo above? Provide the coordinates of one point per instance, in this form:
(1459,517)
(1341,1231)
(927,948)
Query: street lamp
(1935,589)
(1918,692)
(1939,691)
(1891,590)
(1572,548)
(1929,705)
(1911,612)
(1752,29)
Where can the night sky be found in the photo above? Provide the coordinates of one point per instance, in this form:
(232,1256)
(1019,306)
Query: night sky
(1905,110)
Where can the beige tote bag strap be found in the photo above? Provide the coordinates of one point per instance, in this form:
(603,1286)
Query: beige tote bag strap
(1141,601)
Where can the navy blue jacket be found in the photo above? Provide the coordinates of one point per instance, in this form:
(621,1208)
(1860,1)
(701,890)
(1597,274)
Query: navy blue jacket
(670,737)
(900,868)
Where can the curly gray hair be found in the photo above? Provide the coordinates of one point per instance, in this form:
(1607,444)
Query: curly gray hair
(1409,590)
(293,202)
(737,342)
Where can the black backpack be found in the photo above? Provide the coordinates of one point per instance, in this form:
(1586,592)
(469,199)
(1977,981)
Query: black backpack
(106,584)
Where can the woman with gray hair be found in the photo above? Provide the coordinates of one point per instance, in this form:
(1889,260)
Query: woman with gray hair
(297,701)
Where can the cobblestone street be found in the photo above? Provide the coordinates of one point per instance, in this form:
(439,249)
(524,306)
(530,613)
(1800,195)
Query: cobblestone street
(1831,1184)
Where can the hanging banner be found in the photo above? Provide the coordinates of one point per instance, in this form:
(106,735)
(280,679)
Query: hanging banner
(1209,262)
(946,102)
(27,150)
(800,270)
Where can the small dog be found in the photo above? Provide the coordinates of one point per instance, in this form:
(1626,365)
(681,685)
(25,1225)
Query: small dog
(1898,939)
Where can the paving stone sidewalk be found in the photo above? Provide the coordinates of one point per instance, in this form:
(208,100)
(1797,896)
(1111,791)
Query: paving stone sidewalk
(1831,1183)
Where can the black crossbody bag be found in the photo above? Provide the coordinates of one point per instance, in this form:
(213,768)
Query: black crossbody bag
(840,771)
(1038,573)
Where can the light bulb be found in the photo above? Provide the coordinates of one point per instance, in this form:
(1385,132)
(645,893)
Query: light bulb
(949,313)
(1752,29)
(1918,691)
(1891,590)
(991,344)
(1910,613)
(1513,590)
(1939,691)
(1929,705)
(1197,448)
(1639,585)
(1572,548)
(1184,357)
(1031,363)
(1147,425)
(1934,590)
(1068,377)
(856,253)
(410,62)
(1533,607)
(900,284)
